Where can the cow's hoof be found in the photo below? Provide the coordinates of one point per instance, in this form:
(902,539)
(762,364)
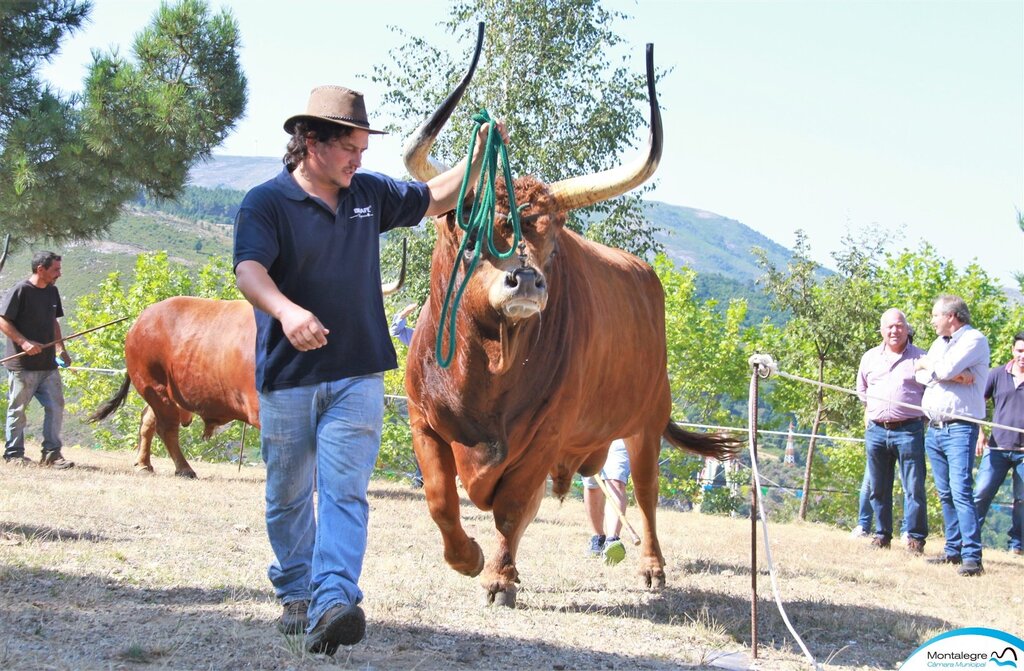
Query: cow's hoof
(143,470)
(505,597)
(188,475)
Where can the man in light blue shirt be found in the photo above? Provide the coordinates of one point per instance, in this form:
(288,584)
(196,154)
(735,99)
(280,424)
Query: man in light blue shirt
(954,373)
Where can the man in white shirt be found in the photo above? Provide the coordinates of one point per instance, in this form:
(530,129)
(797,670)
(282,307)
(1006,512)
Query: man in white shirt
(954,374)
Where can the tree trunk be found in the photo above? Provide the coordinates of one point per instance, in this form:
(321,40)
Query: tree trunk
(818,414)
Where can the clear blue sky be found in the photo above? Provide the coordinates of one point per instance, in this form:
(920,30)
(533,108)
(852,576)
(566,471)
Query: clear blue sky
(827,116)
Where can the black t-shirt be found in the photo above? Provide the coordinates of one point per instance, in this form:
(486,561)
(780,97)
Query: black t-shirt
(33,311)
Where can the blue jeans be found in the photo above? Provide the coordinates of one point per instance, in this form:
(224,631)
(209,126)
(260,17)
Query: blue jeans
(331,432)
(45,386)
(995,464)
(887,448)
(951,452)
(865,513)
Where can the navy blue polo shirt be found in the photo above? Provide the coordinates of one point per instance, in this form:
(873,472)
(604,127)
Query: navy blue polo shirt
(330,265)
(1008,403)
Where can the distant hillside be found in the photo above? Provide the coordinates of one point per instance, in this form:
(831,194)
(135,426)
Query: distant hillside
(198,225)
(234,172)
(710,243)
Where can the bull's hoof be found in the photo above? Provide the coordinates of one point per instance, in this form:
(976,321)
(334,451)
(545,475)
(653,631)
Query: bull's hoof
(188,475)
(471,569)
(505,597)
(143,470)
(654,580)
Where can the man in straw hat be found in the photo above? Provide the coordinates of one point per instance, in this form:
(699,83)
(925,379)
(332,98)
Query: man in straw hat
(307,257)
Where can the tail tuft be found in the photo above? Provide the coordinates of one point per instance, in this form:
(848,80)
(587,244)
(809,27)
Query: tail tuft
(714,445)
(114,403)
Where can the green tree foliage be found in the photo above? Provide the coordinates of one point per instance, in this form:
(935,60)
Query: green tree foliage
(575,114)
(195,202)
(68,164)
(155,279)
(707,368)
(831,323)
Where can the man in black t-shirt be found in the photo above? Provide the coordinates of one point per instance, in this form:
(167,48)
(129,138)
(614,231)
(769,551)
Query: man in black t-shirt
(28,317)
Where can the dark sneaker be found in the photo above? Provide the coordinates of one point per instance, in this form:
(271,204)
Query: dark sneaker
(971,568)
(614,551)
(340,625)
(944,559)
(294,619)
(56,461)
(881,542)
(596,545)
(19,461)
(915,547)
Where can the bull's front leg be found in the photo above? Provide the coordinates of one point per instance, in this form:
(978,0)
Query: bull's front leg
(437,463)
(515,506)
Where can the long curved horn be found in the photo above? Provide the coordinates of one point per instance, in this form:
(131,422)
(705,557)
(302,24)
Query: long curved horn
(577,192)
(391,288)
(417,157)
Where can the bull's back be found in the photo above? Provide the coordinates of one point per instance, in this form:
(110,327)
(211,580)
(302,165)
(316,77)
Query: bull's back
(198,352)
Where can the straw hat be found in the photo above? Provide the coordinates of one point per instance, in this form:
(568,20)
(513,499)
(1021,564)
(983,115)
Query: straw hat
(335,104)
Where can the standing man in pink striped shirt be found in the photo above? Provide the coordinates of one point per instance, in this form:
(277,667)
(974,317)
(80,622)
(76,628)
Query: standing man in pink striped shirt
(894,433)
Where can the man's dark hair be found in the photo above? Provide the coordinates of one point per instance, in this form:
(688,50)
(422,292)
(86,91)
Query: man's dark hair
(955,306)
(1019,335)
(44,259)
(321,131)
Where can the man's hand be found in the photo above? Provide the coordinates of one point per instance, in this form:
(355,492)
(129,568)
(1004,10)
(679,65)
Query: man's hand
(31,347)
(303,330)
(406,311)
(965,377)
(65,356)
(979,448)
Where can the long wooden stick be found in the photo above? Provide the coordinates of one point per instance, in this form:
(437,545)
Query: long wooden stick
(70,337)
(610,500)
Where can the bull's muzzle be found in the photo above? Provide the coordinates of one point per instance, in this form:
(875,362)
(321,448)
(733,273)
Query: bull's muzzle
(525,293)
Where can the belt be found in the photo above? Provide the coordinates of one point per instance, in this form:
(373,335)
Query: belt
(943,425)
(899,424)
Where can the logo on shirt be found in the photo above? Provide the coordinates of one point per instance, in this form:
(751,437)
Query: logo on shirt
(362,212)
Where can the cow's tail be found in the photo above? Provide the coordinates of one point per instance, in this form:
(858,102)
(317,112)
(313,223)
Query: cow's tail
(719,446)
(114,403)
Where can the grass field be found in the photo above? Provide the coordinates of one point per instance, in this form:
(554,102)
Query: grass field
(104,569)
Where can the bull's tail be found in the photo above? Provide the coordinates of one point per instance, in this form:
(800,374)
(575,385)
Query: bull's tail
(715,445)
(114,403)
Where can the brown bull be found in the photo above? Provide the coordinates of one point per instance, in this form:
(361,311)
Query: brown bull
(189,356)
(194,356)
(558,351)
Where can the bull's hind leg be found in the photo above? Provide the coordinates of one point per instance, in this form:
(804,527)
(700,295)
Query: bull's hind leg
(169,433)
(147,429)
(436,461)
(167,419)
(643,466)
(515,505)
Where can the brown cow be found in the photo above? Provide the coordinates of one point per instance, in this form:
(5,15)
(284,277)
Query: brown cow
(189,356)
(558,351)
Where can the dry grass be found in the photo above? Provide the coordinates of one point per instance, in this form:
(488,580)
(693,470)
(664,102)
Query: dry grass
(100,568)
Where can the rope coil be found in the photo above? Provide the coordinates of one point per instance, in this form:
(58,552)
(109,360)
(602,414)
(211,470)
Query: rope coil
(478,227)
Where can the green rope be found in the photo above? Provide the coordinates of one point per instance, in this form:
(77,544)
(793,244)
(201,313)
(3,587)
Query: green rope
(479,226)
